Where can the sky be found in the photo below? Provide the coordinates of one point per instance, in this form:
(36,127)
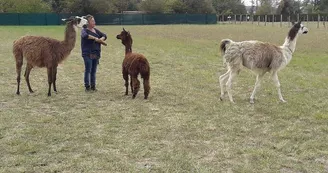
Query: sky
(247,2)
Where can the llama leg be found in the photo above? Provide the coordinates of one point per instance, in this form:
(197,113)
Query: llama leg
(277,83)
(27,76)
(131,85)
(232,74)
(50,74)
(54,77)
(146,87)
(126,79)
(136,85)
(259,78)
(222,80)
(19,64)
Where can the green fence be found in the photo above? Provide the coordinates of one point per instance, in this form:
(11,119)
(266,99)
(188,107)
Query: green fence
(108,19)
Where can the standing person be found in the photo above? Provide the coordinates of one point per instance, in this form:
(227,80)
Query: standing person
(91,40)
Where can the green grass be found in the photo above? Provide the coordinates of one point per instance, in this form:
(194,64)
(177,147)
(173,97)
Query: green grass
(183,127)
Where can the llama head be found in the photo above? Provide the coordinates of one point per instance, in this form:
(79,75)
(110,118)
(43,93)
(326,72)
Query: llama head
(126,38)
(76,21)
(298,28)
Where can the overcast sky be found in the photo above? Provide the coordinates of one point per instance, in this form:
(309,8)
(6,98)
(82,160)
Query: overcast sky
(247,2)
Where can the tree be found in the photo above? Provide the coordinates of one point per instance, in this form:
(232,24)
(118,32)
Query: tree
(229,7)
(153,6)
(27,6)
(289,7)
(267,7)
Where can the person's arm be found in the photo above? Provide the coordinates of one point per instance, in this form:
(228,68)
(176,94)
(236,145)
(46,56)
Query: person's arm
(85,35)
(102,35)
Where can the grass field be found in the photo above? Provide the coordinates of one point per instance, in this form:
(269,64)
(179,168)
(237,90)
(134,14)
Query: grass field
(183,127)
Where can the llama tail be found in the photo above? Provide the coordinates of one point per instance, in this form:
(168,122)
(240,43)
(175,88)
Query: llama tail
(18,54)
(224,45)
(144,69)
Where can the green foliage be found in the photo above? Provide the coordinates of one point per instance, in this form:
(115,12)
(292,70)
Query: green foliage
(289,7)
(229,7)
(265,8)
(27,6)
(153,6)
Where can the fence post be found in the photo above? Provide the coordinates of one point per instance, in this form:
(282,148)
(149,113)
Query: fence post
(252,18)
(265,20)
(206,18)
(273,20)
(19,21)
(288,21)
(258,20)
(318,20)
(298,17)
(235,19)
(241,18)
(280,20)
(307,20)
(324,24)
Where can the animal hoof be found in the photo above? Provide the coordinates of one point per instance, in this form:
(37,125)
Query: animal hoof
(251,101)
(31,91)
(221,98)
(284,101)
(18,93)
(49,94)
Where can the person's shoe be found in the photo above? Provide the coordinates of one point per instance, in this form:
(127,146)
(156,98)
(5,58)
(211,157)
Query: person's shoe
(87,88)
(93,88)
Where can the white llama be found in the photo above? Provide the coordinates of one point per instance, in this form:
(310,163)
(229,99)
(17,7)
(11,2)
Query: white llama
(259,57)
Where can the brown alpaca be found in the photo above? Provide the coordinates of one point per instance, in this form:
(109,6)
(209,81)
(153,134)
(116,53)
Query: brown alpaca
(45,52)
(132,65)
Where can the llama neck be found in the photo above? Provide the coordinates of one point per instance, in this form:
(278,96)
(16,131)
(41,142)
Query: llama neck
(70,37)
(289,47)
(290,44)
(128,49)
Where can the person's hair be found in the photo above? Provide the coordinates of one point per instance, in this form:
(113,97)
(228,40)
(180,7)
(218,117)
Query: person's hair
(88,17)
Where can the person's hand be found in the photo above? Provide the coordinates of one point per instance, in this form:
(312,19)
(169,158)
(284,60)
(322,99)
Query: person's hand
(101,41)
(102,38)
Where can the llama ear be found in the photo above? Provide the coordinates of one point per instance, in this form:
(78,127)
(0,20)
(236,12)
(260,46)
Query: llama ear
(64,20)
(293,22)
(123,29)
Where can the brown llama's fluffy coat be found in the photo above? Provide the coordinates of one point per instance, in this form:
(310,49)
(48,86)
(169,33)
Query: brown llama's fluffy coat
(133,65)
(44,52)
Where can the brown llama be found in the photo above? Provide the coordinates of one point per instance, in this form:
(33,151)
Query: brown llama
(45,52)
(132,65)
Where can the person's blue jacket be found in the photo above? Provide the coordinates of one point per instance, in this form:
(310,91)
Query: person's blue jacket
(89,46)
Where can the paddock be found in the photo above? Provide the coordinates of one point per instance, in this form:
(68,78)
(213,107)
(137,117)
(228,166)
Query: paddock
(183,126)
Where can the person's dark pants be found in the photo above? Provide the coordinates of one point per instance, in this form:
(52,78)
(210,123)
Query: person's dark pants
(90,65)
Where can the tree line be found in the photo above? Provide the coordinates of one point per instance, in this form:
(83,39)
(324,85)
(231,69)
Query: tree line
(285,7)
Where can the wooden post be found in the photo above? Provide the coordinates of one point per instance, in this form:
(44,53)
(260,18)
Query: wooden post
(280,20)
(288,21)
(265,20)
(252,18)
(324,24)
(272,20)
(235,19)
(241,18)
(258,20)
(318,20)
(307,20)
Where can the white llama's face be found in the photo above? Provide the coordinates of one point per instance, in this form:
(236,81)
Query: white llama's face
(82,21)
(303,29)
